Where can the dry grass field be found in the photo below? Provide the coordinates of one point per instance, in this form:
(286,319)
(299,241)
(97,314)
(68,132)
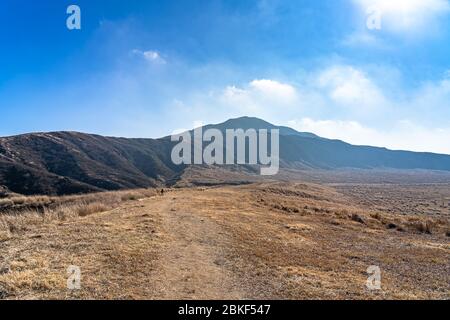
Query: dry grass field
(268,240)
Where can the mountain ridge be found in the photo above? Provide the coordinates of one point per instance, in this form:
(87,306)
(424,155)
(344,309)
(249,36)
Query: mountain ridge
(66,162)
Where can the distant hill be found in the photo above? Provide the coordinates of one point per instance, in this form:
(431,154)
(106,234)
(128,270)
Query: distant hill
(72,162)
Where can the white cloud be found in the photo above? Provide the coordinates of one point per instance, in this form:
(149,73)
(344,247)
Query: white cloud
(236,97)
(350,88)
(263,98)
(405,135)
(261,94)
(372,98)
(275,90)
(150,55)
(407,16)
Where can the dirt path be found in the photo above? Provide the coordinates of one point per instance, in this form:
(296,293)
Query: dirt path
(157,248)
(190,265)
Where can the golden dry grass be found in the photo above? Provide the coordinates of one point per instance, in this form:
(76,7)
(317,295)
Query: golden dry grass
(19,212)
(267,240)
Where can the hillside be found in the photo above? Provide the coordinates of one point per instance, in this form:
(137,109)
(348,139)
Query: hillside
(71,162)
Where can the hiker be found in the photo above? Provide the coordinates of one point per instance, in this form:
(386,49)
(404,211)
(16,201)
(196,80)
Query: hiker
(162,192)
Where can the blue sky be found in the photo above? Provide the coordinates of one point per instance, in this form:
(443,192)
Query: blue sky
(145,69)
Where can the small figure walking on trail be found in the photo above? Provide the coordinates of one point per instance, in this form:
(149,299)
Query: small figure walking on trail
(162,192)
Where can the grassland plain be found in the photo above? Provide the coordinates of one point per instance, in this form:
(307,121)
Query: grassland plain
(267,240)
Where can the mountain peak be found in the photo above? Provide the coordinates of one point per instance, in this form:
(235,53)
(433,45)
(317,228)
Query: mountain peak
(246,123)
